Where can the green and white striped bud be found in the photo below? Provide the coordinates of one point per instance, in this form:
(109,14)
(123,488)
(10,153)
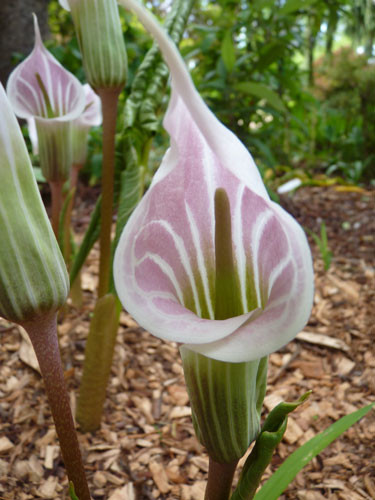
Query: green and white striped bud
(226,401)
(99,33)
(33,277)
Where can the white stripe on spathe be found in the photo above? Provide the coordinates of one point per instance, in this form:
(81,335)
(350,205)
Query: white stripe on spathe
(185,261)
(239,248)
(167,270)
(256,234)
(39,103)
(200,260)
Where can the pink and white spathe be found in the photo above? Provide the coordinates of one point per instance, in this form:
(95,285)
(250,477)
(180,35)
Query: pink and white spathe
(164,265)
(91,117)
(42,89)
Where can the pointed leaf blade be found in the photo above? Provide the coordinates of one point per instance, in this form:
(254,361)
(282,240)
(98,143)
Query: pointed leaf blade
(263,92)
(277,483)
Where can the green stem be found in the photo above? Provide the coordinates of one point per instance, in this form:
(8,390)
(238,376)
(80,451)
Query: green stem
(220,478)
(43,335)
(57,201)
(109,98)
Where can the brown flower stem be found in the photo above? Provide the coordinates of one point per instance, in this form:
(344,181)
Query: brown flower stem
(220,478)
(74,175)
(109,98)
(43,335)
(57,201)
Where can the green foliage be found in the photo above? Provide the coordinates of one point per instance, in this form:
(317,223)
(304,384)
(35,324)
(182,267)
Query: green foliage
(72,493)
(270,436)
(91,235)
(263,92)
(277,483)
(251,61)
(346,121)
(322,243)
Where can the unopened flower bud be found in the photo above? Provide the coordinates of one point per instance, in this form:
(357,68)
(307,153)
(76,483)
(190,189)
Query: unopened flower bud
(33,277)
(99,33)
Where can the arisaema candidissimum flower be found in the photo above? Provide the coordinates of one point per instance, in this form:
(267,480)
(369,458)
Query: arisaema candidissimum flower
(42,89)
(209,261)
(91,117)
(165,260)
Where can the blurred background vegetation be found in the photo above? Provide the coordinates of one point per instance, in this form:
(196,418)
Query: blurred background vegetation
(293,79)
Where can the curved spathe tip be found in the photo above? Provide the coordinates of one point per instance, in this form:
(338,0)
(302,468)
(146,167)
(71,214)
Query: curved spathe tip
(92,114)
(41,87)
(37,35)
(164,262)
(232,152)
(64,4)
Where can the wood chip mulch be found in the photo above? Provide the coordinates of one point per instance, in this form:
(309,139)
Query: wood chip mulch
(146,448)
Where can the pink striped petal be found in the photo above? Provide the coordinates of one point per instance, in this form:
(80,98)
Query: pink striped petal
(92,114)
(64,91)
(164,263)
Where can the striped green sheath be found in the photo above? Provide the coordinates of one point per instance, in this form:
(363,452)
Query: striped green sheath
(226,400)
(99,33)
(33,277)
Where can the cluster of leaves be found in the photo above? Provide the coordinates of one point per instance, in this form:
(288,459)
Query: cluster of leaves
(344,87)
(254,64)
(253,61)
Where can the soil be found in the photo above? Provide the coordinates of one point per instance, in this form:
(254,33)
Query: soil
(146,447)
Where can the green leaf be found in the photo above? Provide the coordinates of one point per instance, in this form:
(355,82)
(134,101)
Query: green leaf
(262,4)
(263,92)
(270,436)
(228,52)
(63,222)
(278,482)
(131,191)
(292,5)
(39,175)
(72,493)
(91,235)
(270,53)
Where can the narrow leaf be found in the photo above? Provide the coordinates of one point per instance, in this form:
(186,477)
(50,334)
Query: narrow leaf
(91,235)
(228,51)
(277,483)
(292,5)
(63,223)
(131,191)
(72,493)
(263,92)
(270,436)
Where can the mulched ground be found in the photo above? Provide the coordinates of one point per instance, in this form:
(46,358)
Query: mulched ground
(146,447)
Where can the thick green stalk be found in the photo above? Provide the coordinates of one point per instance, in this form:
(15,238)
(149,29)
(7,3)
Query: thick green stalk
(220,478)
(109,98)
(43,335)
(98,360)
